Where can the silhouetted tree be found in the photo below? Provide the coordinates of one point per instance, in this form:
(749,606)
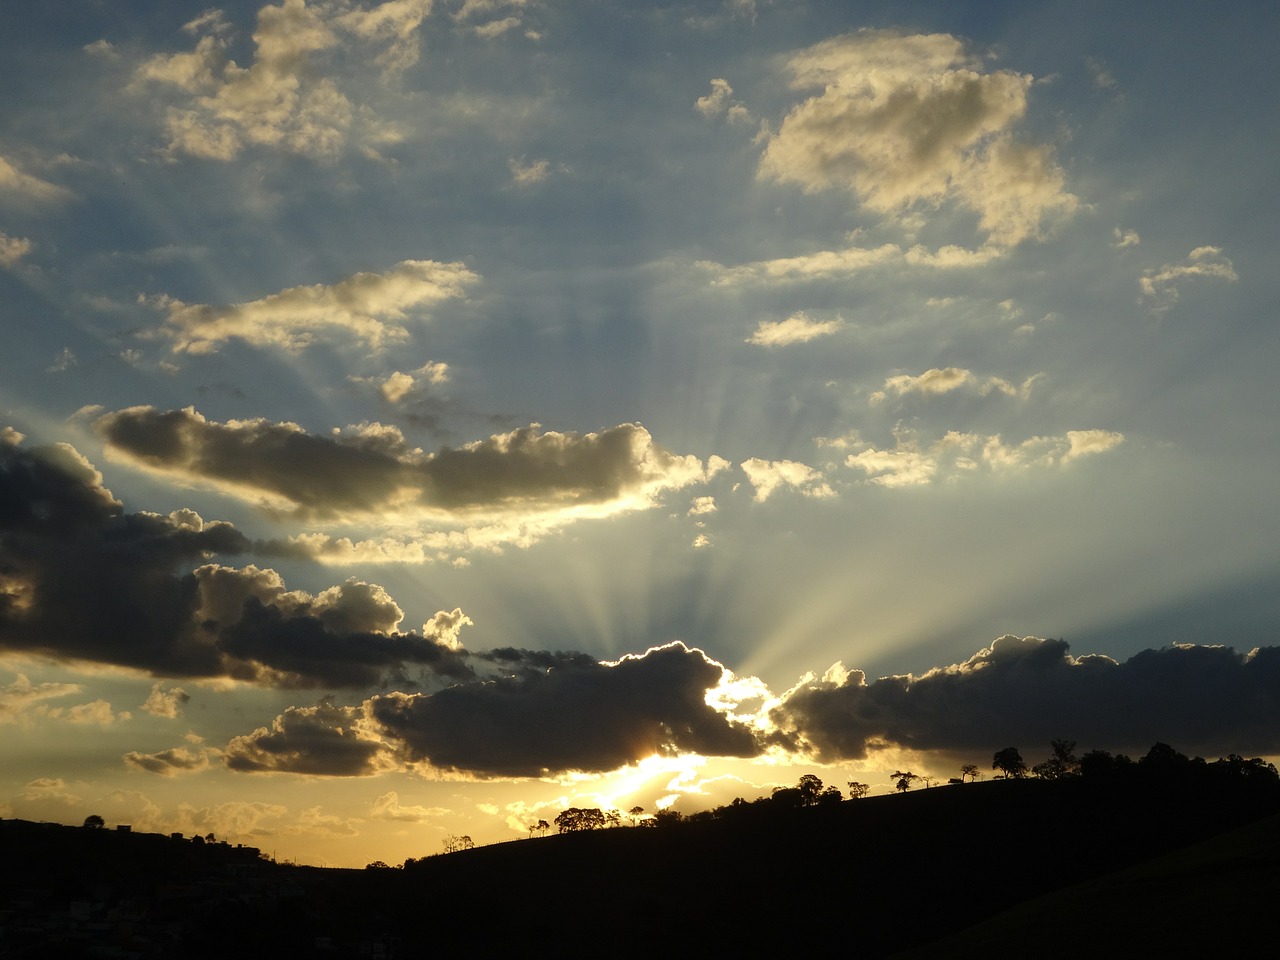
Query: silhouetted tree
(452,844)
(94,822)
(612,818)
(903,778)
(810,788)
(1063,763)
(635,813)
(927,779)
(1010,763)
(378,865)
(576,819)
(542,826)
(858,790)
(971,771)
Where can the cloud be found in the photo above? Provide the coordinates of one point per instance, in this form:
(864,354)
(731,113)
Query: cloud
(15,185)
(797,328)
(1026,691)
(21,699)
(912,122)
(12,249)
(527,174)
(396,387)
(170,763)
(1125,238)
(389,807)
(936,382)
(97,713)
(284,100)
(956,454)
(572,714)
(165,703)
(372,470)
(770,476)
(546,714)
(80,579)
(720,103)
(370,307)
(1201,263)
(324,740)
(837,264)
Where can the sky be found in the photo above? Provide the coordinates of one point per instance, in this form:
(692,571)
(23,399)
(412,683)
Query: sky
(417,418)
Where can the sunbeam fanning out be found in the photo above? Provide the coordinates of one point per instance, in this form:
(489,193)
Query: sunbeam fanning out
(419,420)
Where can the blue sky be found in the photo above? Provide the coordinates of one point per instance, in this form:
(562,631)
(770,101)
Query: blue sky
(382,381)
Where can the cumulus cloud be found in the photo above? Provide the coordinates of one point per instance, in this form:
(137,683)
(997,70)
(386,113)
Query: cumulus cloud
(165,703)
(285,99)
(12,249)
(720,103)
(374,471)
(389,807)
(80,579)
(574,714)
(1202,263)
(913,463)
(797,328)
(530,173)
(770,476)
(22,700)
(324,740)
(912,122)
(398,387)
(936,382)
(370,307)
(1028,691)
(97,713)
(1125,238)
(169,763)
(546,714)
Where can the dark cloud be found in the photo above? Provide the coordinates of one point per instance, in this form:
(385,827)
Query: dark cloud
(80,579)
(574,715)
(321,740)
(557,713)
(168,763)
(372,469)
(1209,699)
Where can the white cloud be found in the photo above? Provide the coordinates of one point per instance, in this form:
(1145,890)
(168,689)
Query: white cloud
(527,174)
(1201,263)
(12,249)
(165,703)
(836,264)
(22,699)
(936,382)
(912,463)
(719,102)
(367,306)
(97,713)
(1125,238)
(911,122)
(23,186)
(769,476)
(797,328)
(283,100)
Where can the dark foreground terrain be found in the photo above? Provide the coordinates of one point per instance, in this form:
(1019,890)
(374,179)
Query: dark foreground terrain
(1172,865)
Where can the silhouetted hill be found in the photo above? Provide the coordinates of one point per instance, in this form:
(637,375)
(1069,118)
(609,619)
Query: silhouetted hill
(874,877)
